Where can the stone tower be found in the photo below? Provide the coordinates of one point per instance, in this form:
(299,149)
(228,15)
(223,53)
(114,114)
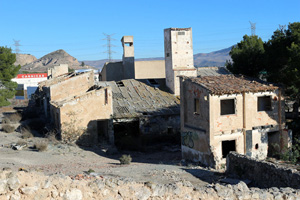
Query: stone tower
(178,56)
(128,57)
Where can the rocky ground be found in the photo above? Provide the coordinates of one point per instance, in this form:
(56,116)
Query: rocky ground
(71,172)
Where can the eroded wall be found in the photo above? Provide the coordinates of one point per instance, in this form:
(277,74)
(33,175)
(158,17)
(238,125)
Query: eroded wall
(79,115)
(72,86)
(58,70)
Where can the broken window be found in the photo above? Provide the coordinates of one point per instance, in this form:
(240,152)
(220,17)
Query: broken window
(227,146)
(196,106)
(120,84)
(129,44)
(264,103)
(168,54)
(227,106)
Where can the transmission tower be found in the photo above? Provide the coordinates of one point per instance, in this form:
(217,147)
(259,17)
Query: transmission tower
(109,46)
(17,44)
(282,27)
(253,27)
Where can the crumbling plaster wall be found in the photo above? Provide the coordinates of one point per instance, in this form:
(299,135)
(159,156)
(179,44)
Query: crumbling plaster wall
(73,86)
(81,113)
(58,70)
(195,126)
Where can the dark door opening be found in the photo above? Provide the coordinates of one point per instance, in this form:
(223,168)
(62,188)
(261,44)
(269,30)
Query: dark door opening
(227,146)
(273,143)
(102,128)
(127,135)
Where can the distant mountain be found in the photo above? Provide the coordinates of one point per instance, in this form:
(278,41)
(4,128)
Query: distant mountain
(52,59)
(215,58)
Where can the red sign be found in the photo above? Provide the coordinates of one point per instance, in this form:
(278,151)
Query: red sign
(39,75)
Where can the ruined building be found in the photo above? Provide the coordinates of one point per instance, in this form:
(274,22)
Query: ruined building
(128,68)
(227,113)
(178,56)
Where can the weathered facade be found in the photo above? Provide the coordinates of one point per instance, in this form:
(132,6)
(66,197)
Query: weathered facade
(79,117)
(179,58)
(62,87)
(227,113)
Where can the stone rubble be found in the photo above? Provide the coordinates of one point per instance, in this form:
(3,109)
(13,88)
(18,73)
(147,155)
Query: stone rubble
(37,186)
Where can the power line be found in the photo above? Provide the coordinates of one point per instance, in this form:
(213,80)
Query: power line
(17,44)
(253,27)
(109,46)
(282,27)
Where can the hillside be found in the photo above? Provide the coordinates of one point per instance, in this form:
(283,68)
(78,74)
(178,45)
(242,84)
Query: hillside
(23,59)
(52,59)
(215,58)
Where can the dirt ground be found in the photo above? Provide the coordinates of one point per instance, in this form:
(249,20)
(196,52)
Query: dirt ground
(163,166)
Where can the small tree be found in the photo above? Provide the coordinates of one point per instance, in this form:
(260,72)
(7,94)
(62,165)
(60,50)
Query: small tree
(82,64)
(7,71)
(247,57)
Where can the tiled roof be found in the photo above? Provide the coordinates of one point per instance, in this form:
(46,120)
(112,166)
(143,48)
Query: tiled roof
(211,71)
(232,84)
(132,98)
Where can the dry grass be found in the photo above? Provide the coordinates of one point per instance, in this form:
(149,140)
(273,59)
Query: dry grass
(8,128)
(6,120)
(15,117)
(51,136)
(26,133)
(22,143)
(41,145)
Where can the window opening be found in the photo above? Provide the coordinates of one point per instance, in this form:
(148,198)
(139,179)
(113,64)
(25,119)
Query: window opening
(181,33)
(227,107)
(264,103)
(196,106)
(106,96)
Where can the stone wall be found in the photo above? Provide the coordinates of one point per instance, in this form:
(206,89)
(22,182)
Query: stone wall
(37,186)
(262,173)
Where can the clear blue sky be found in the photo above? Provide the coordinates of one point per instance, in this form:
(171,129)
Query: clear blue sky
(78,26)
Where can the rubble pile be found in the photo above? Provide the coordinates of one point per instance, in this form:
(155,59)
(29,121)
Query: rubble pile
(35,185)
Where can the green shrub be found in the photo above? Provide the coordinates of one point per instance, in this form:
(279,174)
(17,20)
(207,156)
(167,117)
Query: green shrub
(292,154)
(41,145)
(125,159)
(8,128)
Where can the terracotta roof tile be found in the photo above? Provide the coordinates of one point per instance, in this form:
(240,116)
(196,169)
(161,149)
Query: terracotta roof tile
(232,84)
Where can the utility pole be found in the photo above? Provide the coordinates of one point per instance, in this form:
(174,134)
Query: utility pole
(281,27)
(109,46)
(17,44)
(253,27)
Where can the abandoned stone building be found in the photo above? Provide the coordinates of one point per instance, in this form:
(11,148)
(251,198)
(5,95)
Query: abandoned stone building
(227,113)
(62,87)
(142,115)
(128,68)
(124,112)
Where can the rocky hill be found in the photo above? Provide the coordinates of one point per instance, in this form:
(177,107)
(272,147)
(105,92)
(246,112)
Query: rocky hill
(215,58)
(52,59)
(24,59)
